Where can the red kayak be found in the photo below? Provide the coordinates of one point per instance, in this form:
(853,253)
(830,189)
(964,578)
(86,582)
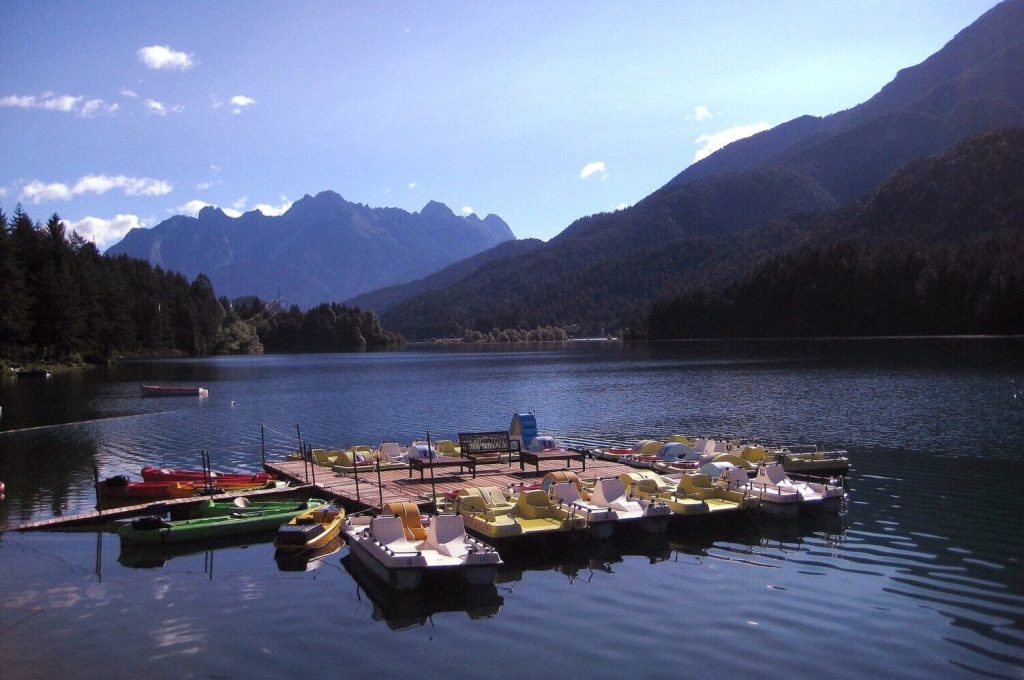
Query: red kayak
(120,487)
(151,473)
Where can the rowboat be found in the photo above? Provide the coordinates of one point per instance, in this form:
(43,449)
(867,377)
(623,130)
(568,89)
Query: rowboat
(401,552)
(151,473)
(244,519)
(173,391)
(310,530)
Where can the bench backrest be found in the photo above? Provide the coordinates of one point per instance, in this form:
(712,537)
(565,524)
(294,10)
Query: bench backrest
(486,442)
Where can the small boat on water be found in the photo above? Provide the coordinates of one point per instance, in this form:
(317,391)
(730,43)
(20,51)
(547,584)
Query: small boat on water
(778,494)
(33,373)
(152,473)
(489,511)
(120,487)
(401,551)
(173,391)
(605,504)
(244,518)
(310,530)
(651,486)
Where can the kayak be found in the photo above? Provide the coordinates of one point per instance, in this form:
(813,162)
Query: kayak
(121,488)
(151,473)
(310,530)
(219,508)
(244,519)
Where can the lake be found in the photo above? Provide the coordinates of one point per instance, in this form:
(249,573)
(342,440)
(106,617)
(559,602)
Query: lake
(921,576)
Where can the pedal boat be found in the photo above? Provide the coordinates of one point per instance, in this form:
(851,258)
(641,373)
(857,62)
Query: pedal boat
(650,486)
(491,513)
(608,495)
(401,552)
(777,494)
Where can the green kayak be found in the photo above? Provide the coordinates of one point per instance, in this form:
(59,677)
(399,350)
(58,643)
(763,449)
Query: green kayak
(244,505)
(238,519)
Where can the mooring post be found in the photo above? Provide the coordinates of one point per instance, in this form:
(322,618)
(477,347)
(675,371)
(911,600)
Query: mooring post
(96,486)
(263,447)
(312,463)
(380,486)
(430,462)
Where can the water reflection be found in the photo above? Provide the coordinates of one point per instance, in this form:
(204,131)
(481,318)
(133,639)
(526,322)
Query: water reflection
(403,609)
(145,556)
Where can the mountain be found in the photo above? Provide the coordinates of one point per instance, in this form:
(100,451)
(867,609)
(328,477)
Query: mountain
(603,270)
(322,249)
(936,249)
(382,299)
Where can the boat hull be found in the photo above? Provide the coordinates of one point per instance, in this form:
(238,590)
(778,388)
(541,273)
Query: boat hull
(153,530)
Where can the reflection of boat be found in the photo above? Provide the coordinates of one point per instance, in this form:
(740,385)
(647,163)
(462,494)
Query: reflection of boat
(152,473)
(401,609)
(310,530)
(401,551)
(173,391)
(307,560)
(150,555)
(245,518)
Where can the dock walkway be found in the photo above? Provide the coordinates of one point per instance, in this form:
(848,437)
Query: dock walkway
(397,486)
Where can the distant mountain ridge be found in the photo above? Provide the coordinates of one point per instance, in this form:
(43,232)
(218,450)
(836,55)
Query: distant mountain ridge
(602,269)
(322,249)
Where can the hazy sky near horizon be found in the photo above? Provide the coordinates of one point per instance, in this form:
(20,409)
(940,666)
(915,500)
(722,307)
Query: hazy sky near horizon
(117,115)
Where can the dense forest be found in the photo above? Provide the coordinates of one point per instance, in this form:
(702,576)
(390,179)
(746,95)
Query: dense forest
(936,249)
(62,301)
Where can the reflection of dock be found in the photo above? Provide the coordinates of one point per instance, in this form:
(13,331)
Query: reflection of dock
(362,489)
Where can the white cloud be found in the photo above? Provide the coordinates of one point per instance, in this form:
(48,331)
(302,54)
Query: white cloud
(411,185)
(104,233)
(466,210)
(129,93)
(163,57)
(274,210)
(240,203)
(621,206)
(713,142)
(3,191)
(203,186)
(240,101)
(37,192)
(156,107)
(702,113)
(63,103)
(132,186)
(591,168)
(193,207)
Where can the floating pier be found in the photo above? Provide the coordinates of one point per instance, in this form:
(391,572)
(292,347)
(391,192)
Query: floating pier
(361,490)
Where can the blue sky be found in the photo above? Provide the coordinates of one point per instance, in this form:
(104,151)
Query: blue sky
(116,115)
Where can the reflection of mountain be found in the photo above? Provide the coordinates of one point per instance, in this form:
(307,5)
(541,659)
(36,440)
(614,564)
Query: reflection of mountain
(410,608)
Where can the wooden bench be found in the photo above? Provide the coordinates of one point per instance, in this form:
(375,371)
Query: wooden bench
(486,448)
(422,464)
(535,458)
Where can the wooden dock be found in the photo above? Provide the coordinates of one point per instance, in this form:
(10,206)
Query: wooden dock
(355,491)
(362,491)
(94,518)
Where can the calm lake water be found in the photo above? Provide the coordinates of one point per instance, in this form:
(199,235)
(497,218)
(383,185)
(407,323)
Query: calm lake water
(922,575)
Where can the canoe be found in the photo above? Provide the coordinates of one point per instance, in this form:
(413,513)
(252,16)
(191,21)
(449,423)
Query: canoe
(310,530)
(120,487)
(243,520)
(151,473)
(220,508)
(173,391)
